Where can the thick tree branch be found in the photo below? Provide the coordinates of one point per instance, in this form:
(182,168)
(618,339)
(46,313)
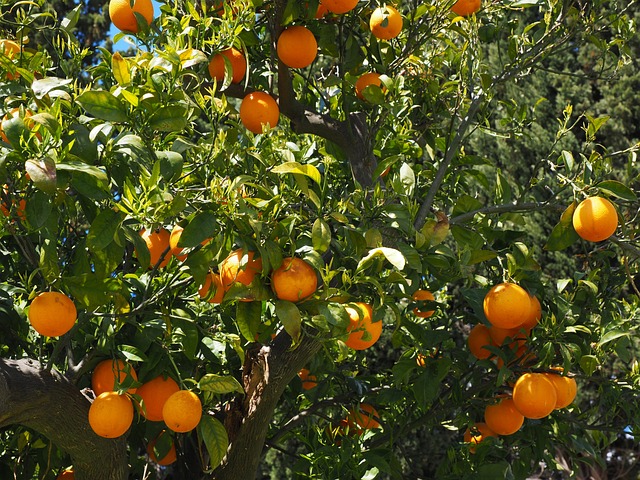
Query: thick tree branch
(266,374)
(47,402)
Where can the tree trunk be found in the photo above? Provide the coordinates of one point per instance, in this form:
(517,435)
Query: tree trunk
(48,403)
(266,374)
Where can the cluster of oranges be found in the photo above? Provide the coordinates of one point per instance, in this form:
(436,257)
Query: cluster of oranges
(512,313)
(160,399)
(360,418)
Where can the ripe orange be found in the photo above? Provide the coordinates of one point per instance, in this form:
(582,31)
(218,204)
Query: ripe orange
(237,268)
(535,314)
(362,332)
(297,47)
(110,372)
(464,8)
(174,238)
(158,244)
(339,6)
(259,110)
(595,219)
(182,411)
(217,65)
(503,417)
(365,416)
(479,337)
(154,394)
(321,12)
(421,295)
(66,474)
(371,78)
(169,457)
(212,280)
(477,434)
(294,280)
(507,305)
(534,395)
(52,314)
(9,48)
(111,415)
(566,388)
(499,336)
(123,15)
(385,22)
(308,381)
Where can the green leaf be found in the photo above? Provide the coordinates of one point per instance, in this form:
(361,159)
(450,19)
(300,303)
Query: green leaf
(38,209)
(133,353)
(563,234)
(169,119)
(612,335)
(620,190)
(79,167)
(102,104)
(49,260)
(170,165)
(320,235)
(103,229)
(200,228)
(589,363)
(43,173)
(290,317)
(120,69)
(215,438)
(140,247)
(294,167)
(220,384)
(248,318)
(394,257)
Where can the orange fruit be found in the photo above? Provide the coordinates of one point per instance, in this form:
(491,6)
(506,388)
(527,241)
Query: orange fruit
(212,280)
(321,12)
(9,48)
(238,268)
(174,238)
(154,394)
(362,331)
(111,415)
(464,8)
(421,295)
(259,110)
(308,381)
(477,434)
(158,244)
(297,47)
(499,335)
(365,416)
(182,411)
(52,314)
(7,206)
(503,417)
(535,314)
(371,78)
(168,458)
(294,280)
(595,219)
(479,337)
(507,305)
(566,388)
(66,474)
(339,6)
(123,15)
(534,395)
(217,65)
(108,373)
(385,23)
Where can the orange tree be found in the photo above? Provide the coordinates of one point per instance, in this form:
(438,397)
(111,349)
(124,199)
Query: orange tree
(379,192)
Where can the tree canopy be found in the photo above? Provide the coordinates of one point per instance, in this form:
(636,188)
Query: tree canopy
(336,239)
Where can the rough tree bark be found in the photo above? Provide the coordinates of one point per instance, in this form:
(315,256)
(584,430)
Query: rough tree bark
(266,374)
(50,404)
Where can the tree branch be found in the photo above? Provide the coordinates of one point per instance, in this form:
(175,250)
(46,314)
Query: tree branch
(45,401)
